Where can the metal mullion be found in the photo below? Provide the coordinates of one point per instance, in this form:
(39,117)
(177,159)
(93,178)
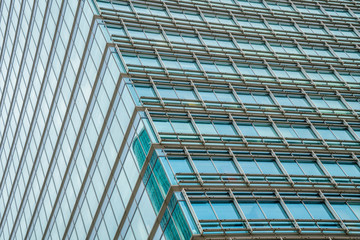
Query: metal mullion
(283,205)
(148,115)
(198,176)
(322,167)
(239,168)
(333,212)
(307,97)
(192,212)
(350,129)
(273,98)
(274,126)
(242,215)
(234,124)
(282,167)
(195,127)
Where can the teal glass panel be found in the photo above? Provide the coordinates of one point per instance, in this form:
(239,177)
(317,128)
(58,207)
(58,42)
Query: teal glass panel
(203,210)
(298,210)
(225,166)
(225,210)
(273,210)
(247,130)
(319,211)
(269,167)
(204,166)
(344,211)
(251,210)
(180,165)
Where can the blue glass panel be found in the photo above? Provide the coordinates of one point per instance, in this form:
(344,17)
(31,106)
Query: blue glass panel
(225,210)
(180,165)
(273,210)
(225,166)
(319,211)
(269,167)
(292,168)
(298,210)
(249,167)
(205,166)
(344,211)
(251,210)
(203,210)
(311,168)
(225,129)
(247,130)
(351,169)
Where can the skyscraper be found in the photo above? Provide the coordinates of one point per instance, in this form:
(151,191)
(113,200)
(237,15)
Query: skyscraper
(179,119)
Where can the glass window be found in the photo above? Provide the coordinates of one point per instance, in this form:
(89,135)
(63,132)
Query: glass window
(251,3)
(206,128)
(180,165)
(280,48)
(343,32)
(225,166)
(247,130)
(319,210)
(225,128)
(203,210)
(250,23)
(298,210)
(249,166)
(145,91)
(255,98)
(225,210)
(296,132)
(292,100)
(277,26)
(280,6)
(309,9)
(294,167)
(251,210)
(350,77)
(351,169)
(313,29)
(344,211)
(204,166)
(328,103)
(182,127)
(336,134)
(253,70)
(163,126)
(288,73)
(273,210)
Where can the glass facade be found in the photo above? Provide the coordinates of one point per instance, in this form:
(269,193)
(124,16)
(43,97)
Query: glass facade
(186,119)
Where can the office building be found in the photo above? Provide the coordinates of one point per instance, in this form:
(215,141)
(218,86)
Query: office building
(180,119)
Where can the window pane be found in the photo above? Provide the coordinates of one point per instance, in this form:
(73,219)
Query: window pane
(247,130)
(225,166)
(273,210)
(298,210)
(182,127)
(269,167)
(180,165)
(251,210)
(225,210)
(311,168)
(225,129)
(344,211)
(203,210)
(206,128)
(266,131)
(319,211)
(249,167)
(205,166)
